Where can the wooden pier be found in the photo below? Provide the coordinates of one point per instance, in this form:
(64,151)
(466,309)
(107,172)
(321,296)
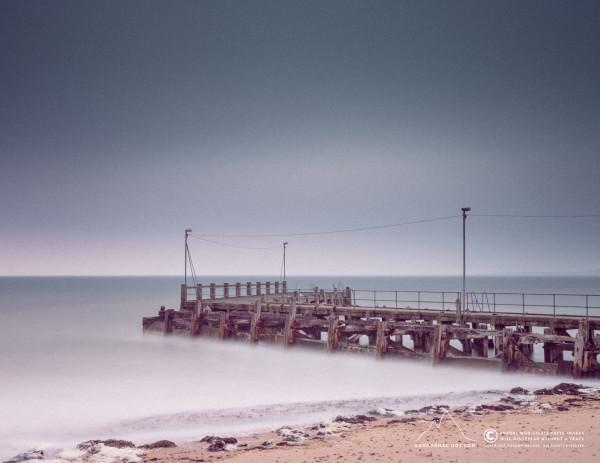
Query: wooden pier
(331,320)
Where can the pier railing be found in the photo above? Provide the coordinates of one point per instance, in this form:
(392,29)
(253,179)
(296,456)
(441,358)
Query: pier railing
(190,293)
(584,305)
(526,303)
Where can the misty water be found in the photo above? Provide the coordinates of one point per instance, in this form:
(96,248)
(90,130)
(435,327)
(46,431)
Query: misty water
(76,366)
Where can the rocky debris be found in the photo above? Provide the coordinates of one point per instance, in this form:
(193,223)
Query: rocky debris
(429,410)
(387,412)
(89,447)
(354,419)
(161,444)
(412,419)
(267,444)
(219,444)
(519,391)
(119,444)
(561,389)
(513,401)
(30,455)
(496,408)
(291,435)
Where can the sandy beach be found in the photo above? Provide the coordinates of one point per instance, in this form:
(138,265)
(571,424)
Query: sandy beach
(550,425)
(547,428)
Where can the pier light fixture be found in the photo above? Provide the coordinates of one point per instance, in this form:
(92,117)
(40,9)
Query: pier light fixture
(463,299)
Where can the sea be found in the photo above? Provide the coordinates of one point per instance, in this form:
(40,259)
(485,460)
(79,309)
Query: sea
(76,366)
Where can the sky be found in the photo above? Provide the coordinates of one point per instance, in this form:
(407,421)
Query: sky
(255,123)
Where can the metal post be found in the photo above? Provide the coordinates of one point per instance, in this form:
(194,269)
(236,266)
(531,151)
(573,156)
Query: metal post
(284,245)
(186,257)
(463,295)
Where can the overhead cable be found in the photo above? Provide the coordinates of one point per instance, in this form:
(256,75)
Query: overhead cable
(232,245)
(328,232)
(583,216)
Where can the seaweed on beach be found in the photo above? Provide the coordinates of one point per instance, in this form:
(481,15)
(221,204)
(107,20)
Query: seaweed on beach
(161,444)
(354,419)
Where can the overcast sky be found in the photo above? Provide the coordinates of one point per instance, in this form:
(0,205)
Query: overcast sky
(123,123)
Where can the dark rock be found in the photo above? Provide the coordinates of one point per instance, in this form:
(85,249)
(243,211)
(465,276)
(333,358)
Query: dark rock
(562,408)
(161,444)
(519,391)
(30,455)
(218,444)
(89,447)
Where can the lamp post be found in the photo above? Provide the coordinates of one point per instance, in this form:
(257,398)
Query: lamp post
(284,245)
(188,230)
(464,294)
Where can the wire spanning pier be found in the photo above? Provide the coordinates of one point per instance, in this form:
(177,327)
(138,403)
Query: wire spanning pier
(336,320)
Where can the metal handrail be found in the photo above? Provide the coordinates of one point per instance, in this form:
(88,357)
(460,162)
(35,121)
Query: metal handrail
(506,301)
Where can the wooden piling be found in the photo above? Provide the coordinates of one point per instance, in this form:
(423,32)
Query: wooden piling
(509,351)
(440,343)
(332,336)
(168,327)
(481,344)
(381,344)
(582,355)
(193,323)
(255,323)
(183,295)
(223,325)
(288,334)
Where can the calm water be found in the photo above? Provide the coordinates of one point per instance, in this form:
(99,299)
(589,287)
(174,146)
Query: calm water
(75,365)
